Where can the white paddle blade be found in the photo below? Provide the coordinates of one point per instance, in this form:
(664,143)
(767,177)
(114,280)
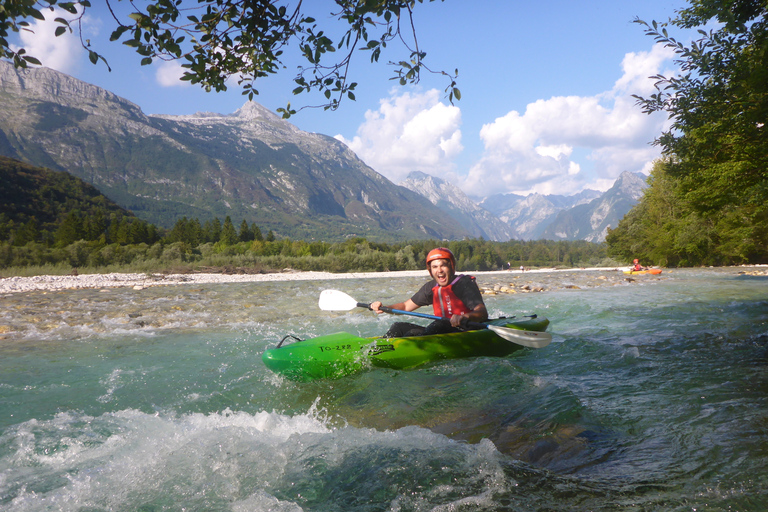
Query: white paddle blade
(532,339)
(334,300)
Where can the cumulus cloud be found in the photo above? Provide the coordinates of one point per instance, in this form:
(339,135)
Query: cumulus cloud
(62,53)
(533,151)
(411,131)
(169,74)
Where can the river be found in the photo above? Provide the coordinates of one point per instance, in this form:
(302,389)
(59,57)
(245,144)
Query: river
(652,396)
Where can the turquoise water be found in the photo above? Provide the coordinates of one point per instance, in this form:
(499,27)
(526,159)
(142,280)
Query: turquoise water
(652,396)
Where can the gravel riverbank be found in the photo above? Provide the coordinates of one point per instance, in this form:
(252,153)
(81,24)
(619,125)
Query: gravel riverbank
(139,280)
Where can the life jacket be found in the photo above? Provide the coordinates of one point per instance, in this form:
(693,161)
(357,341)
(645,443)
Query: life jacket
(445,302)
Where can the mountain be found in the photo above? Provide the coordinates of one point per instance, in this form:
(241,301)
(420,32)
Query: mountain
(591,221)
(583,216)
(248,165)
(530,215)
(479,222)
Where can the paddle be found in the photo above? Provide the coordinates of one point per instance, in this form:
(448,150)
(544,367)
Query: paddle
(334,300)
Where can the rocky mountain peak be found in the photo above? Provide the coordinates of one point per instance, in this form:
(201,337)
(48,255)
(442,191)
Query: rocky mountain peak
(452,200)
(252,111)
(46,84)
(631,184)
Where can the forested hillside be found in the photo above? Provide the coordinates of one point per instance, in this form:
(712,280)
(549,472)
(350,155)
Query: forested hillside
(56,208)
(707,203)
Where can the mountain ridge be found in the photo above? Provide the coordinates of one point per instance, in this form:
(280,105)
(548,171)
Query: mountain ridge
(253,165)
(478,221)
(582,216)
(249,165)
(590,221)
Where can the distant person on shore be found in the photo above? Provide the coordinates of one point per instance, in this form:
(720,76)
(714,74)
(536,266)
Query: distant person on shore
(456,299)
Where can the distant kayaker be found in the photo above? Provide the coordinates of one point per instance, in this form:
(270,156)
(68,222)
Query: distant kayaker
(636,266)
(455,298)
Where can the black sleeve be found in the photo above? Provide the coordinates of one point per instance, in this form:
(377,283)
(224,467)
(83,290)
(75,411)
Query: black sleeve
(423,297)
(467,290)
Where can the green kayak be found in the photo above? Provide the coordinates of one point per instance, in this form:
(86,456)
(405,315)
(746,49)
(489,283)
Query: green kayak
(336,355)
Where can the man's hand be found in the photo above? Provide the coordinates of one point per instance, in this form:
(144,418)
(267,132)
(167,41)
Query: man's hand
(459,320)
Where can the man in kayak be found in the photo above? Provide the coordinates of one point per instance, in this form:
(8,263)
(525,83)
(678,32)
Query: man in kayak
(455,298)
(636,266)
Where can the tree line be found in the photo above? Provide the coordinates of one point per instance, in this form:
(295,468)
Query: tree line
(707,203)
(120,243)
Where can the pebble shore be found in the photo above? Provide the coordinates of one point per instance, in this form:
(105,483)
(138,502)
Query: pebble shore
(139,281)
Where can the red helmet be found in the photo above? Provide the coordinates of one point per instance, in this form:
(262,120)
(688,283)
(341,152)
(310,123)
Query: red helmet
(441,253)
(636,261)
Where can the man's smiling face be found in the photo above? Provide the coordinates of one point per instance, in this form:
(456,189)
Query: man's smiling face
(441,271)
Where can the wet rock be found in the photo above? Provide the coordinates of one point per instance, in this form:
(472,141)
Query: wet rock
(542,448)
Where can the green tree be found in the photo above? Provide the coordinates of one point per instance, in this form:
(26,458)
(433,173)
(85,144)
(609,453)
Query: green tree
(96,226)
(219,39)
(6,226)
(70,230)
(257,233)
(212,230)
(177,232)
(716,149)
(246,234)
(228,233)
(193,233)
(29,232)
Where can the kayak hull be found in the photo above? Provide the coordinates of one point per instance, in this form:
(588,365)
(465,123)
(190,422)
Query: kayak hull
(340,354)
(652,271)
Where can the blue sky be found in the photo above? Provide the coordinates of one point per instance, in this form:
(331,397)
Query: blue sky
(546,92)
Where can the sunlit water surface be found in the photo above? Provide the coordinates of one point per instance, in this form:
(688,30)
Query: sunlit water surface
(652,396)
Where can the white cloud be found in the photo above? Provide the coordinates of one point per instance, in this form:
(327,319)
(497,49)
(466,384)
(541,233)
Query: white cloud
(169,74)
(638,67)
(561,150)
(61,53)
(534,151)
(409,132)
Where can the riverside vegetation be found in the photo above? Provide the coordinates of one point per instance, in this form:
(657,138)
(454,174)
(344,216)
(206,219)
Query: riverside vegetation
(215,246)
(52,222)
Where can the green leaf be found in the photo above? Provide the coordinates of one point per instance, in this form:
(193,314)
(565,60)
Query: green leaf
(32,60)
(119,31)
(70,7)
(37,14)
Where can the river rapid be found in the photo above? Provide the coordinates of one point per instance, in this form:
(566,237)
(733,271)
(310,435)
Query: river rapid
(653,395)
